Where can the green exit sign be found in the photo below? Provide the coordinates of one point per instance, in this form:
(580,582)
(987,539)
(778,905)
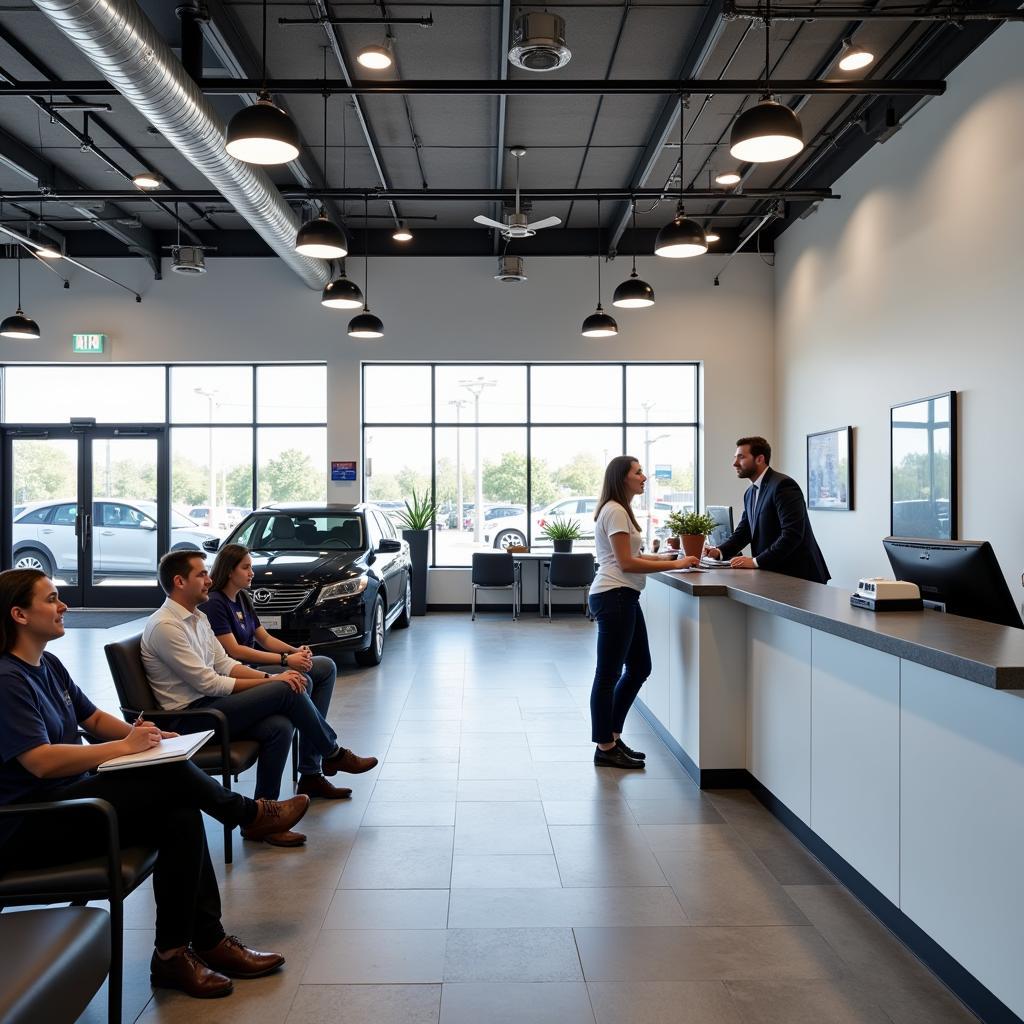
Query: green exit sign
(88,344)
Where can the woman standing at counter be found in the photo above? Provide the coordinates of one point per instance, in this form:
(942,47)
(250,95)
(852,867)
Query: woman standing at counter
(623,657)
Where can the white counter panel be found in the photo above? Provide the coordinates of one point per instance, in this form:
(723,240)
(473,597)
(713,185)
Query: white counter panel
(655,603)
(855,756)
(962,823)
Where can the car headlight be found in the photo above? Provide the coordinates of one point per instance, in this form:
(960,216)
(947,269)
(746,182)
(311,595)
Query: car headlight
(348,588)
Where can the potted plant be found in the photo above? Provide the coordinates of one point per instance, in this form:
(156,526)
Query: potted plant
(562,532)
(692,527)
(416,520)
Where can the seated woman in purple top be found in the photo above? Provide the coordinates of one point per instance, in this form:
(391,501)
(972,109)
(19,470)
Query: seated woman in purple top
(237,626)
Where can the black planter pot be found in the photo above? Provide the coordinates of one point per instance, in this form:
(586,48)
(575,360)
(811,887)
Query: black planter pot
(562,546)
(418,540)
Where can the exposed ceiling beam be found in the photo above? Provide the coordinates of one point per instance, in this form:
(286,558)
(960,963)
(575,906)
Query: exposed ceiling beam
(504,29)
(512,87)
(951,15)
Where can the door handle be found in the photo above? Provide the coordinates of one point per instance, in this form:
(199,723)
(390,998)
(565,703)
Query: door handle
(48,529)
(85,531)
(107,533)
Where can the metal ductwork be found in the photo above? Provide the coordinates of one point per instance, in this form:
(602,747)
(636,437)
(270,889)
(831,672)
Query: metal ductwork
(118,38)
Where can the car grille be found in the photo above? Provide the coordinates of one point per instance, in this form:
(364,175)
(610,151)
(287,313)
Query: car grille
(282,599)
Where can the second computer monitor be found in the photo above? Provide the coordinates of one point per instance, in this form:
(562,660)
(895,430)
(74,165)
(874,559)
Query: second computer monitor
(722,515)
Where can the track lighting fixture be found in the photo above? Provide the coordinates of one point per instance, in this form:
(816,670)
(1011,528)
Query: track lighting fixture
(365,324)
(17,325)
(263,133)
(633,293)
(322,237)
(727,178)
(854,57)
(599,324)
(682,237)
(147,180)
(769,130)
(376,58)
(402,232)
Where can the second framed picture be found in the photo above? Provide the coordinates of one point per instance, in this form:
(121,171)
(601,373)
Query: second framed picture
(830,470)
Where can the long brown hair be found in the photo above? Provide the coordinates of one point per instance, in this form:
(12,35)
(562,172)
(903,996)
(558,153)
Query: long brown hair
(614,486)
(225,564)
(16,589)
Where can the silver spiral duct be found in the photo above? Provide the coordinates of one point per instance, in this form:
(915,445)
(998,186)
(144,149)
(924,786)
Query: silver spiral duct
(118,38)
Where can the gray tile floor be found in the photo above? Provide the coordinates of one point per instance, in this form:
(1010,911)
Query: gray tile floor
(487,872)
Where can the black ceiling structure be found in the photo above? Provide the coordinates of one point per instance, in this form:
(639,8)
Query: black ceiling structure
(426,141)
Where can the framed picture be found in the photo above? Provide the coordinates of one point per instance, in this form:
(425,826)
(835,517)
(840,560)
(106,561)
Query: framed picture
(830,470)
(923,441)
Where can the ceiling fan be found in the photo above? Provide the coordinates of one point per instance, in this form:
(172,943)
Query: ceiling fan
(516,224)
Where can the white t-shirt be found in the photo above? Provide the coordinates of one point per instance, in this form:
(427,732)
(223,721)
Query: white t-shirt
(614,519)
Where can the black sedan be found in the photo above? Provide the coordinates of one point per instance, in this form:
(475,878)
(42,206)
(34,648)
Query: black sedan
(327,575)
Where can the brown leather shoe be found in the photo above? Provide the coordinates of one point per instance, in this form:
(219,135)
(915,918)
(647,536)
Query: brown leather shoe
(187,973)
(230,957)
(345,761)
(275,816)
(317,786)
(280,839)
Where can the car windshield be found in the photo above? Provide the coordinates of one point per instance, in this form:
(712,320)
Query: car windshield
(305,532)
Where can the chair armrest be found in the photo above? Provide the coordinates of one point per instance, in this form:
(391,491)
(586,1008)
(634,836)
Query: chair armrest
(92,804)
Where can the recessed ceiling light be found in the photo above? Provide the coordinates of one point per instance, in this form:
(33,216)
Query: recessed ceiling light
(376,58)
(854,57)
(147,180)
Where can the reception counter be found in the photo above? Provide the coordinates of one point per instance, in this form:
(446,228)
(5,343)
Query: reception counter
(892,744)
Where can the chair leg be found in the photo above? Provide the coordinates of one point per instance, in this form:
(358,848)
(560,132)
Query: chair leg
(228,837)
(295,757)
(115,980)
(472,617)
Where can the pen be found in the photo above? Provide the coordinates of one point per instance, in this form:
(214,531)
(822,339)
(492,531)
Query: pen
(138,721)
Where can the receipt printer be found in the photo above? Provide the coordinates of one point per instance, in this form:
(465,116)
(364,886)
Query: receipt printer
(878,594)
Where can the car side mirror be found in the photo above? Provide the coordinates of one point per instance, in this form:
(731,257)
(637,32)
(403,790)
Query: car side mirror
(147,524)
(211,545)
(390,546)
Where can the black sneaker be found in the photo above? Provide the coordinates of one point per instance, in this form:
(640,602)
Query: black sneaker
(615,758)
(637,755)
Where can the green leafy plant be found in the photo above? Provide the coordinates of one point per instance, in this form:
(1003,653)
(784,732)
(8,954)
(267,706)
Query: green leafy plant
(689,524)
(562,529)
(420,514)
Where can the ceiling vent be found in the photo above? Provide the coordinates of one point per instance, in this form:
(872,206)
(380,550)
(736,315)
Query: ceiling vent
(511,268)
(188,259)
(538,42)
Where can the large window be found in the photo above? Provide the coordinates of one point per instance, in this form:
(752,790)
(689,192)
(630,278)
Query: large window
(506,447)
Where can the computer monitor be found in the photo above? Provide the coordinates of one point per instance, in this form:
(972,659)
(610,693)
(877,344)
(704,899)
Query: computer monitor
(962,575)
(722,515)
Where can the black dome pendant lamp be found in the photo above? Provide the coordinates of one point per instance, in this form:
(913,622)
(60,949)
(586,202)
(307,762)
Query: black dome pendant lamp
(365,324)
(633,293)
(263,133)
(322,237)
(681,237)
(342,293)
(768,131)
(17,325)
(599,324)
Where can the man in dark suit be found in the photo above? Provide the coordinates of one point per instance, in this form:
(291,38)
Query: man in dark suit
(774,523)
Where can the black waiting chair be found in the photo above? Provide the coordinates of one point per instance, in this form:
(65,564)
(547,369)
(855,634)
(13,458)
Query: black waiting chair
(498,571)
(54,962)
(220,756)
(569,572)
(111,876)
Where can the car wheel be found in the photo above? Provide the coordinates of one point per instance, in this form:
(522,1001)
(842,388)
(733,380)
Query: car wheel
(509,539)
(32,558)
(404,619)
(373,653)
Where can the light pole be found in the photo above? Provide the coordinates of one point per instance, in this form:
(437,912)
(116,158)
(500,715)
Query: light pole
(460,404)
(209,396)
(475,387)
(649,443)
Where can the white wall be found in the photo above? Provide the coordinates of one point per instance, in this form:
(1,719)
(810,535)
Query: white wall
(433,309)
(911,285)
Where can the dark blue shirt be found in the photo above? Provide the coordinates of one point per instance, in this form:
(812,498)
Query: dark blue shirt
(38,705)
(237,617)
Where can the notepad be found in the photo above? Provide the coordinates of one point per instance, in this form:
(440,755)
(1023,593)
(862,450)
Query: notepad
(714,563)
(177,748)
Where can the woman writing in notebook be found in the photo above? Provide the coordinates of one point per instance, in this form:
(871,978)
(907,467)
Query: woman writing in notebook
(43,759)
(623,656)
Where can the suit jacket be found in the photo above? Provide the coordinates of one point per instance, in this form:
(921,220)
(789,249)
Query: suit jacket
(778,530)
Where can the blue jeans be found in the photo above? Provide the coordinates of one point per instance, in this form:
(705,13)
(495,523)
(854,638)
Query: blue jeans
(269,714)
(320,687)
(623,659)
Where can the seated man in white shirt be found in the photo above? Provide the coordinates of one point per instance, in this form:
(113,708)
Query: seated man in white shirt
(188,668)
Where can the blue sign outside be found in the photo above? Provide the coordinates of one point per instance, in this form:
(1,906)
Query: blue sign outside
(662,472)
(343,471)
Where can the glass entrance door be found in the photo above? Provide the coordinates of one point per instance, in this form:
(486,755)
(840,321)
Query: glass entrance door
(89,507)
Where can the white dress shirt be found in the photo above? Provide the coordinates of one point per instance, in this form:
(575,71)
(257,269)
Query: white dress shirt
(183,659)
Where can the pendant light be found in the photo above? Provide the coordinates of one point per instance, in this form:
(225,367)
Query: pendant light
(342,293)
(599,324)
(148,180)
(18,325)
(681,237)
(376,58)
(633,293)
(322,237)
(402,232)
(262,133)
(729,177)
(366,325)
(769,131)
(854,57)
(711,234)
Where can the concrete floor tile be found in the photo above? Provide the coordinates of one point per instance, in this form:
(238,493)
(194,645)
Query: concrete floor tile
(372,1004)
(498,790)
(435,812)
(501,827)
(377,909)
(663,1002)
(400,858)
(502,870)
(511,954)
(406,957)
(588,812)
(835,1000)
(396,791)
(512,1003)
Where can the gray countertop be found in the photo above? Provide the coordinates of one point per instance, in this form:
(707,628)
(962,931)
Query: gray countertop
(990,655)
